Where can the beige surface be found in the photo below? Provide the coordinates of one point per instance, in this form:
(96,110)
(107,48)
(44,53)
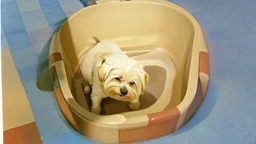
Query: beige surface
(16,108)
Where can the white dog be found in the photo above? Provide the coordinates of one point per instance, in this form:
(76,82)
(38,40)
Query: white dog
(111,73)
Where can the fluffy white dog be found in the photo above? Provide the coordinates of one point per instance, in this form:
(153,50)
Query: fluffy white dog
(111,73)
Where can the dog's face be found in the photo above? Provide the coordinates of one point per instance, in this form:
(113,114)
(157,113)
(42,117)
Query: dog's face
(122,78)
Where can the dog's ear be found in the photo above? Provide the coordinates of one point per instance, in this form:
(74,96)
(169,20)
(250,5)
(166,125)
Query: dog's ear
(103,70)
(144,83)
(102,74)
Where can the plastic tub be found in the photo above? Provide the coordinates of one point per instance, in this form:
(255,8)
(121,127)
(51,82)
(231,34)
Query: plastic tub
(158,34)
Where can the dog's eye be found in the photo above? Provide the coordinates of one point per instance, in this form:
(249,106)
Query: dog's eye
(132,83)
(117,78)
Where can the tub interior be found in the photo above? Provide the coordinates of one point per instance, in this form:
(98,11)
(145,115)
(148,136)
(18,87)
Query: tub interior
(138,28)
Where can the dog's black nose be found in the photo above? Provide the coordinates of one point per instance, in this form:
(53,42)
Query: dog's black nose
(123,91)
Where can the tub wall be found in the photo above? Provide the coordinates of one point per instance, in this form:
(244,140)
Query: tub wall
(181,79)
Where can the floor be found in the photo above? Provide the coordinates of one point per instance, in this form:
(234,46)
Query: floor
(227,115)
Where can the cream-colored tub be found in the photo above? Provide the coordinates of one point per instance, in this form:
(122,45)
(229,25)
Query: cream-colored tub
(160,35)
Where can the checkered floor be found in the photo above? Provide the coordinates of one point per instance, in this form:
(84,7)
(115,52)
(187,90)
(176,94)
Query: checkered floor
(226,116)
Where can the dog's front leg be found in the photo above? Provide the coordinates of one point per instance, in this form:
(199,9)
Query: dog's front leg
(86,87)
(134,105)
(96,104)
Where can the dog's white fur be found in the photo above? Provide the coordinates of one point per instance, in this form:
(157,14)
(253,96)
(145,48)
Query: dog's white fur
(110,72)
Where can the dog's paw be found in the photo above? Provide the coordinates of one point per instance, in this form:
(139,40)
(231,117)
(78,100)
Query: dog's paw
(87,90)
(96,109)
(134,105)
